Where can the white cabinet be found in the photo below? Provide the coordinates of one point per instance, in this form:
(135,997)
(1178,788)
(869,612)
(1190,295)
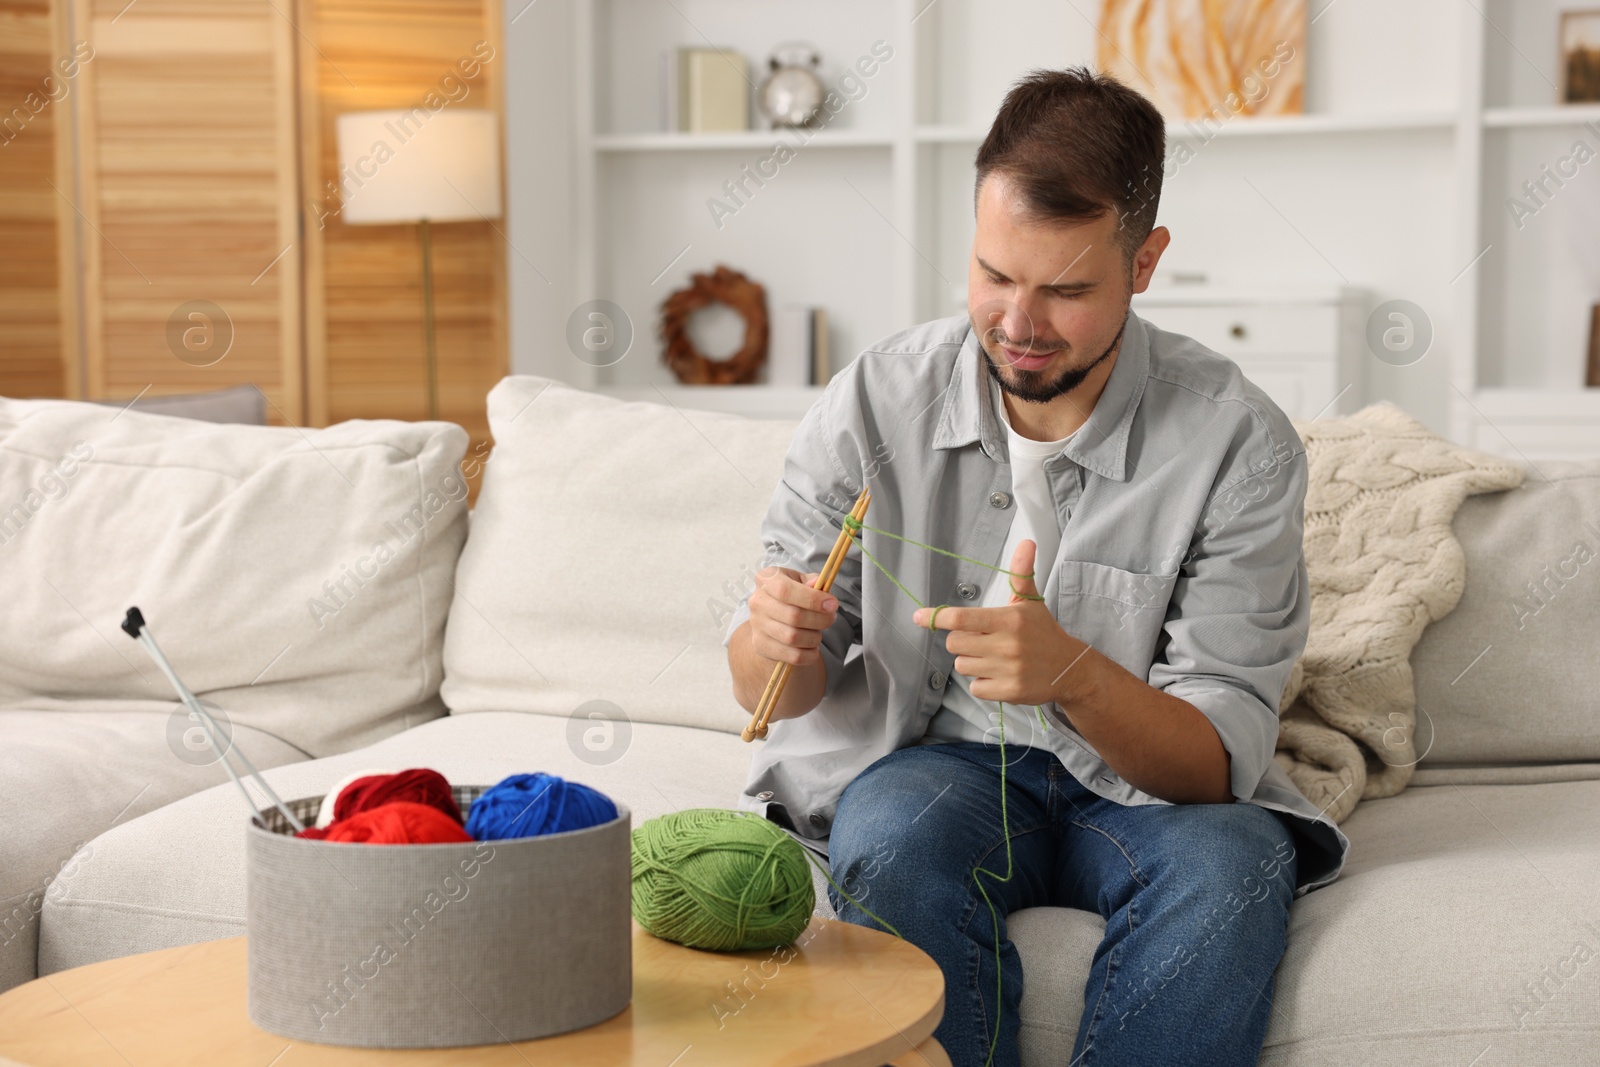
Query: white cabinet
(1301,346)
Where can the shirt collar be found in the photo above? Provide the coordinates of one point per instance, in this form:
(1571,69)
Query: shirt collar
(1100,445)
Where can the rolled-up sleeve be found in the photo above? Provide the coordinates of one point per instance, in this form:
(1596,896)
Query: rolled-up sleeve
(1239,612)
(804,519)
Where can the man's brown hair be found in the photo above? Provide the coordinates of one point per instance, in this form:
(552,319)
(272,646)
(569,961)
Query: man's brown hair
(1078,144)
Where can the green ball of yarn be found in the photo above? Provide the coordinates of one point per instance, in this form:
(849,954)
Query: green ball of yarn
(719,879)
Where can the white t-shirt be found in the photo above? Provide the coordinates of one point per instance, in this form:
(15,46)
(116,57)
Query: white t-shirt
(962,717)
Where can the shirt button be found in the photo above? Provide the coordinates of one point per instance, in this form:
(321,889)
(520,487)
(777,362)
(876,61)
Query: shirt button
(999,500)
(765,794)
(966,590)
(817,819)
(936,680)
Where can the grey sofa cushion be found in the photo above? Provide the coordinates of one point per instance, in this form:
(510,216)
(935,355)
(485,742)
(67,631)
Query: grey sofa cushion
(1453,901)
(65,778)
(1512,673)
(242,403)
(1466,921)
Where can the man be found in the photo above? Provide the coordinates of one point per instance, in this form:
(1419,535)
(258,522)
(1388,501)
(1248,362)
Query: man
(1146,500)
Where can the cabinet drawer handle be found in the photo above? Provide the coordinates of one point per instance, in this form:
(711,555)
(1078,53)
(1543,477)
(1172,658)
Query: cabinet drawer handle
(1237,330)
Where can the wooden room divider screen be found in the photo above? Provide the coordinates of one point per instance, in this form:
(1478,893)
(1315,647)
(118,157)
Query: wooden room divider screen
(169,193)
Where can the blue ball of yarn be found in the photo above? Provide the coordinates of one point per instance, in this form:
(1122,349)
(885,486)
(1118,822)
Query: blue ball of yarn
(528,805)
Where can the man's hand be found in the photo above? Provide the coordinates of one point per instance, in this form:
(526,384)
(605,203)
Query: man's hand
(1018,654)
(787,616)
(1157,742)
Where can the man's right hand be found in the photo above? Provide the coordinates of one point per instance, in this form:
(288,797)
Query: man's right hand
(788,616)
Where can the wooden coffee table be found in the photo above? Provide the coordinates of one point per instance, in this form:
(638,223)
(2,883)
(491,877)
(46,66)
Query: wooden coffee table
(845,996)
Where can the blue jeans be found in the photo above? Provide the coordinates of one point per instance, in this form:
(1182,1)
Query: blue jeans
(1195,898)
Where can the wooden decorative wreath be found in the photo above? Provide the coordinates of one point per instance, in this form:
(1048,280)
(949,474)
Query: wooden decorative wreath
(745,297)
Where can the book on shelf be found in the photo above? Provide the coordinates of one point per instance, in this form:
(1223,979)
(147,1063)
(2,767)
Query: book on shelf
(1593,378)
(821,368)
(704,90)
(797,340)
(668,90)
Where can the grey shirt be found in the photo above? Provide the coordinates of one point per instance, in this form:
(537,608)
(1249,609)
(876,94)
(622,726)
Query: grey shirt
(1181,558)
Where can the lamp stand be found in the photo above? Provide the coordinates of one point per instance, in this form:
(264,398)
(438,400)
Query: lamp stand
(427,320)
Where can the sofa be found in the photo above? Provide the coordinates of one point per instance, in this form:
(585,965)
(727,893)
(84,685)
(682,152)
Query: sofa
(330,592)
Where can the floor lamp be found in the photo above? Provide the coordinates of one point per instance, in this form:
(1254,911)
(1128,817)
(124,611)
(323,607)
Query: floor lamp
(420,166)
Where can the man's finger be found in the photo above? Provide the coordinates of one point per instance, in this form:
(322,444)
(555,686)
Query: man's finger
(977,620)
(826,603)
(800,593)
(1022,563)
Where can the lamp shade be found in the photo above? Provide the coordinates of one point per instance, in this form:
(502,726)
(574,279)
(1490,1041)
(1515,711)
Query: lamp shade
(406,165)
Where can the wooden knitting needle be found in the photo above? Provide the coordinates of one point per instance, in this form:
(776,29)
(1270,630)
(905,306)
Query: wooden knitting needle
(780,673)
(824,582)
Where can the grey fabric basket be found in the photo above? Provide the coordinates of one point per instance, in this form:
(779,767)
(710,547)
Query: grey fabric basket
(429,946)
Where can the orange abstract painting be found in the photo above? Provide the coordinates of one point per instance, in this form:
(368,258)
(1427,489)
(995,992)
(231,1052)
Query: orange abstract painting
(1195,58)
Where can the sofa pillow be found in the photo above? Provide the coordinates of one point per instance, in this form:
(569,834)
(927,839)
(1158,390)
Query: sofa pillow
(242,403)
(611,543)
(296,578)
(1511,674)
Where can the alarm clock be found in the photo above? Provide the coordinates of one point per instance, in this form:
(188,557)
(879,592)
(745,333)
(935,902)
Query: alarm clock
(792,93)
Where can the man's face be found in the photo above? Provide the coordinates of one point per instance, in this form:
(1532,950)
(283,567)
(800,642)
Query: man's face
(1048,300)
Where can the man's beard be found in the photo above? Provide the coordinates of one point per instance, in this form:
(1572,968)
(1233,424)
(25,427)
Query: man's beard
(1030,385)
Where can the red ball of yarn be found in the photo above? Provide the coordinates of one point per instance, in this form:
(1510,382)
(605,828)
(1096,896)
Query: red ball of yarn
(399,822)
(419,785)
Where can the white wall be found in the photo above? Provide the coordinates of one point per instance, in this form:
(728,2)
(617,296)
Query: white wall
(539,185)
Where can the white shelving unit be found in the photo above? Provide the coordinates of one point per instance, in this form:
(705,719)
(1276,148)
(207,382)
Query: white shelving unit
(1522,312)
(749,139)
(1265,126)
(1421,119)
(642,219)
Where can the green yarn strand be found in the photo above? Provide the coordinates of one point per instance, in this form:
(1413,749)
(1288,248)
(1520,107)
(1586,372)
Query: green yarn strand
(856,526)
(727,881)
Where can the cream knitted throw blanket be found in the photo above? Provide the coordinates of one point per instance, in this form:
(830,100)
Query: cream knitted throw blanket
(1383,563)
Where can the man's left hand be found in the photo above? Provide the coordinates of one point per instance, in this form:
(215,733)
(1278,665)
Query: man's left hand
(1018,654)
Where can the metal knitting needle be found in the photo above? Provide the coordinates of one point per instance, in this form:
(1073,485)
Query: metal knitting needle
(136,628)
